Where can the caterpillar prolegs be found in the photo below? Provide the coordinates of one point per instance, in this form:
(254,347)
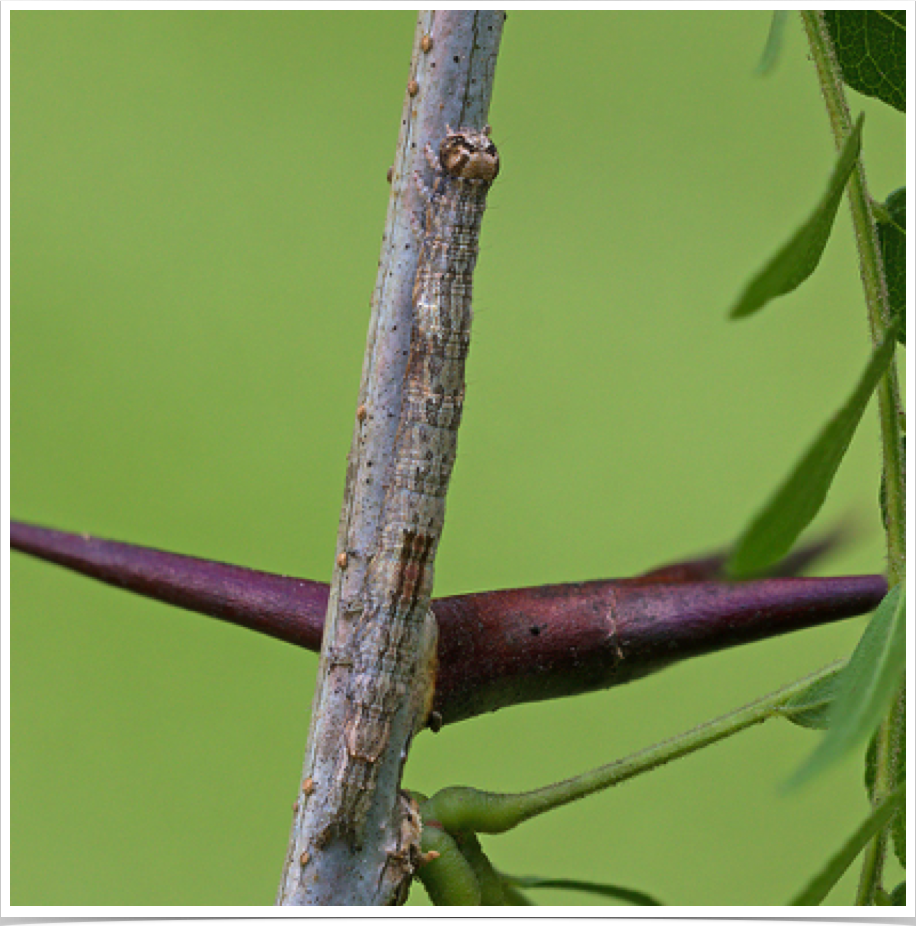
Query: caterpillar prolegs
(400,579)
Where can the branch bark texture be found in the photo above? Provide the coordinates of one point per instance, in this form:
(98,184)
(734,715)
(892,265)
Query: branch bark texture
(328,862)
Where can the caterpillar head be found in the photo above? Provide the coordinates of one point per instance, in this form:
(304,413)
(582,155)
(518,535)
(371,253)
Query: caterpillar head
(469,155)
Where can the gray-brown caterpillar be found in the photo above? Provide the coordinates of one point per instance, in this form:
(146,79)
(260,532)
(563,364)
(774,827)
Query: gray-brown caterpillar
(400,578)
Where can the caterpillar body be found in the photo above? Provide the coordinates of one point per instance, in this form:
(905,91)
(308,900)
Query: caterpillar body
(400,578)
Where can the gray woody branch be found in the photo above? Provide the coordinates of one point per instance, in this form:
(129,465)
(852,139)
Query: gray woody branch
(450,82)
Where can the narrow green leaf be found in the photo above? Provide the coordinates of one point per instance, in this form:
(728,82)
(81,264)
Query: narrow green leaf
(892,237)
(870,47)
(793,507)
(874,673)
(821,885)
(798,258)
(809,708)
(775,40)
(637,898)
(866,685)
(898,895)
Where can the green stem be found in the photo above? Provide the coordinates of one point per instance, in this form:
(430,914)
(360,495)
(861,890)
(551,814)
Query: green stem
(464,810)
(873,857)
(890,409)
(888,776)
(492,892)
(871,268)
(449,879)
(815,893)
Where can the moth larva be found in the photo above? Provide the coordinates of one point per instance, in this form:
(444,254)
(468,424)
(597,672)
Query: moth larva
(400,577)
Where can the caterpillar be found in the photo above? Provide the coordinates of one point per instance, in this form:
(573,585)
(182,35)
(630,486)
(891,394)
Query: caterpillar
(400,578)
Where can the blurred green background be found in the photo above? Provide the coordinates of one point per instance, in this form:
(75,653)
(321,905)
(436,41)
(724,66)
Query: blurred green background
(198,201)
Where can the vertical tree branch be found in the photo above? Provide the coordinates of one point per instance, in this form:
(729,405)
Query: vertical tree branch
(450,82)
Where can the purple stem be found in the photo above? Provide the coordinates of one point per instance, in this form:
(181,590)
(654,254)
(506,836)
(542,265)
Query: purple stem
(533,644)
(280,606)
(495,648)
(713,566)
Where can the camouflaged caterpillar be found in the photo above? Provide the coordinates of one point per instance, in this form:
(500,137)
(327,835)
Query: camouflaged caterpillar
(400,579)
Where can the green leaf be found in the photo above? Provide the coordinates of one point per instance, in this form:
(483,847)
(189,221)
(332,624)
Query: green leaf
(892,238)
(793,507)
(870,47)
(775,40)
(637,898)
(898,895)
(799,257)
(809,708)
(866,685)
(820,886)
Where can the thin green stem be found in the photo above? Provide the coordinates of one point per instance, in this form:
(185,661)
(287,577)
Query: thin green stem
(871,268)
(448,877)
(492,890)
(820,886)
(463,810)
(627,895)
(887,777)
(890,408)
(873,857)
